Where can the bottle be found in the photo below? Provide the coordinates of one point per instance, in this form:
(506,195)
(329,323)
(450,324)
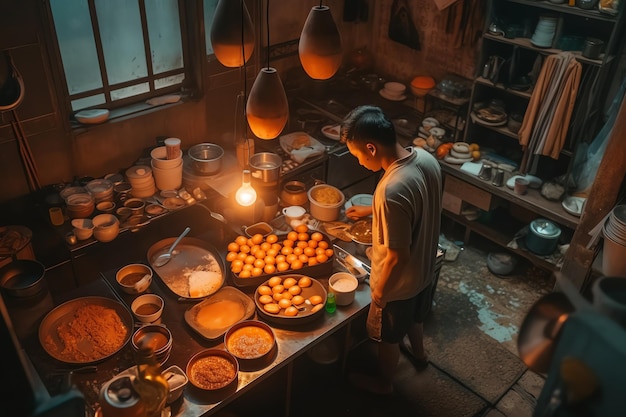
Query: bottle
(150,382)
(331,306)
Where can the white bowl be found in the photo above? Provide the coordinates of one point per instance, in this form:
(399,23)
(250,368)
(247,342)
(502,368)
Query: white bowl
(326,209)
(147,308)
(106,227)
(83,228)
(343,285)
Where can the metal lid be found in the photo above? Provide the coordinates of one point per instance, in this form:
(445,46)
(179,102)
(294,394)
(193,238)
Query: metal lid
(545,228)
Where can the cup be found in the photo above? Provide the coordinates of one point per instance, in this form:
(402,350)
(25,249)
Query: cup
(609,298)
(521,186)
(292,213)
(147,308)
(172,148)
(56,216)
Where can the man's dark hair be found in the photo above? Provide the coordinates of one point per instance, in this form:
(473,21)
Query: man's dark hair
(368,124)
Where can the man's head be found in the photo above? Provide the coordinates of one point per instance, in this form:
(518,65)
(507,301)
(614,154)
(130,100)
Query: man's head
(369,135)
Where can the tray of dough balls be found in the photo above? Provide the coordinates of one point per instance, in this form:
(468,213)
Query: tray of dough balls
(290,299)
(254,260)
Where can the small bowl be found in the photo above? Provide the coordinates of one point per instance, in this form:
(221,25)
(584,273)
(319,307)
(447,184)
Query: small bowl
(136,205)
(157,336)
(83,228)
(106,227)
(252,342)
(200,372)
(147,308)
(206,158)
(134,278)
(177,380)
(105,207)
(258,228)
(395,88)
(343,285)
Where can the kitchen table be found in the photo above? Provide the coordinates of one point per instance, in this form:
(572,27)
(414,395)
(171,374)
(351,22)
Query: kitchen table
(292,342)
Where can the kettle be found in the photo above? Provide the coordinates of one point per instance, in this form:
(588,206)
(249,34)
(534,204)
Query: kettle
(118,398)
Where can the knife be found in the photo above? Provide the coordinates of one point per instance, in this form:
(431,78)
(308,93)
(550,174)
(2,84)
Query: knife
(351,259)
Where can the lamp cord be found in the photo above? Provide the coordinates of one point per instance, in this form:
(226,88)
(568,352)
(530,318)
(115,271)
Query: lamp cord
(267,28)
(321,3)
(242,72)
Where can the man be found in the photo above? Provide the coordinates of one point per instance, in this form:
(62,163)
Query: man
(406,217)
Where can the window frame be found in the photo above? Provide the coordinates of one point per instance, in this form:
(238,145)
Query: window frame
(192,39)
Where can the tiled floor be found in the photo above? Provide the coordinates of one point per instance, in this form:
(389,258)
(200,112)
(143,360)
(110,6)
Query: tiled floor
(474,368)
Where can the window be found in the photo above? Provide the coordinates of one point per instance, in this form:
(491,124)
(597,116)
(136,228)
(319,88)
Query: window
(115,52)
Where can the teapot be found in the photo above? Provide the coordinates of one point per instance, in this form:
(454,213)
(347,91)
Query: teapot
(293,194)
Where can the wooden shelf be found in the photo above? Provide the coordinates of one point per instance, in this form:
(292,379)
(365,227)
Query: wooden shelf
(502,234)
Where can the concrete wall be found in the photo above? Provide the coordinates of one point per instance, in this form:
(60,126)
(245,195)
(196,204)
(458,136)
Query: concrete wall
(62,154)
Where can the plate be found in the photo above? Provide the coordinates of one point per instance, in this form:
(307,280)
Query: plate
(491,117)
(93,116)
(359,200)
(331,131)
(574,205)
(83,353)
(213,316)
(385,95)
(191,258)
(361,231)
(302,317)
(300,146)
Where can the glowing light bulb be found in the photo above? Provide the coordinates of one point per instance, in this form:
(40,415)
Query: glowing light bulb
(245,195)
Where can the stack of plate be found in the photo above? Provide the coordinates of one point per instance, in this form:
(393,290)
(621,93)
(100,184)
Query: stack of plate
(141,181)
(614,231)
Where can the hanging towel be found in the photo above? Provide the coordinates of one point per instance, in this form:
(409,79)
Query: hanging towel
(550,108)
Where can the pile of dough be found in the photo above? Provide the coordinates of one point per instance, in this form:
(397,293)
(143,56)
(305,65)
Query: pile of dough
(203,283)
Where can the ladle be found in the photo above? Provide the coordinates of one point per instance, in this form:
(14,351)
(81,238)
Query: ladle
(164,258)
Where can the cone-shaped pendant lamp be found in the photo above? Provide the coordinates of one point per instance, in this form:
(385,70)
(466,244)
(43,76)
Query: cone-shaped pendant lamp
(227,36)
(320,44)
(267,108)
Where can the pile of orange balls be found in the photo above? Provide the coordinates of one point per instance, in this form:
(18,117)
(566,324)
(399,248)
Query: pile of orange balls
(258,255)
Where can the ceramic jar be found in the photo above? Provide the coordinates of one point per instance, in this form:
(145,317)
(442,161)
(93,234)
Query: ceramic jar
(293,194)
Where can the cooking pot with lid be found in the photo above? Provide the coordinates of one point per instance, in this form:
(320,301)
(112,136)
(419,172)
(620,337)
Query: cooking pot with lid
(543,237)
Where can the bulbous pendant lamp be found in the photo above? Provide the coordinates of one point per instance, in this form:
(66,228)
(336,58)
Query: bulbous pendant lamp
(320,44)
(267,109)
(227,36)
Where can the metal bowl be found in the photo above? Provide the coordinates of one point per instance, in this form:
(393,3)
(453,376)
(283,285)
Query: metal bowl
(22,277)
(206,158)
(265,167)
(199,372)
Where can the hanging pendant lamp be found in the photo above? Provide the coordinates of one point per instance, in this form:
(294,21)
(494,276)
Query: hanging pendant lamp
(267,108)
(227,35)
(320,44)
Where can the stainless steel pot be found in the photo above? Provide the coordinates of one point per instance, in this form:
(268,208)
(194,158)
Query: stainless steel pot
(543,237)
(265,167)
(206,158)
(22,277)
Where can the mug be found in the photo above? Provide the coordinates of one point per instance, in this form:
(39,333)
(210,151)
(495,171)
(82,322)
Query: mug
(292,213)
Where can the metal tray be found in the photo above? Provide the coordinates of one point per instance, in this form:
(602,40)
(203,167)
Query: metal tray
(64,313)
(191,254)
(303,317)
(225,294)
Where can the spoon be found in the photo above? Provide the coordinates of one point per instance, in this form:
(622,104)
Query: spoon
(164,258)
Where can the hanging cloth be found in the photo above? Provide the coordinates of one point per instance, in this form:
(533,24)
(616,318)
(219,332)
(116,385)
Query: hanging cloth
(550,108)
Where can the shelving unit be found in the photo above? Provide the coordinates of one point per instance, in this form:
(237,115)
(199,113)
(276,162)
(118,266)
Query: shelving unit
(518,19)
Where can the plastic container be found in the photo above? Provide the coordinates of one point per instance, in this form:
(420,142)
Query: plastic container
(325,202)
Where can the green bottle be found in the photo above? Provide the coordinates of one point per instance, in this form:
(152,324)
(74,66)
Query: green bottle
(330,302)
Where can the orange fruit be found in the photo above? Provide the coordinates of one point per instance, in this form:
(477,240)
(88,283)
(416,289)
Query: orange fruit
(288,243)
(266,246)
(291,311)
(269,260)
(233,247)
(282,266)
(476,155)
(296,264)
(302,244)
(271,238)
(298,251)
(303,236)
(297,300)
(259,263)
(301,228)
(291,258)
(256,272)
(274,281)
(284,303)
(304,282)
(231,256)
(280,258)
(290,282)
(264,290)
(269,269)
(249,260)
(293,236)
(272,252)
(257,238)
(277,289)
(303,258)
(286,250)
(312,243)
(321,258)
(329,252)
(317,236)
(309,252)
(322,244)
(241,240)
(312,261)
(247,267)
(277,247)
(260,254)
(244,248)
(241,256)
(245,274)
(295,290)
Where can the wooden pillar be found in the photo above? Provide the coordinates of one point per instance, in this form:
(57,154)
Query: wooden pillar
(601,200)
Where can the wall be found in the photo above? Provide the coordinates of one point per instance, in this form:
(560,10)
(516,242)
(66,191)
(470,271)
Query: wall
(62,154)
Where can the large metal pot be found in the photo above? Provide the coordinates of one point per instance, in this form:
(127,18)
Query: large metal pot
(543,237)
(206,158)
(265,167)
(22,277)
